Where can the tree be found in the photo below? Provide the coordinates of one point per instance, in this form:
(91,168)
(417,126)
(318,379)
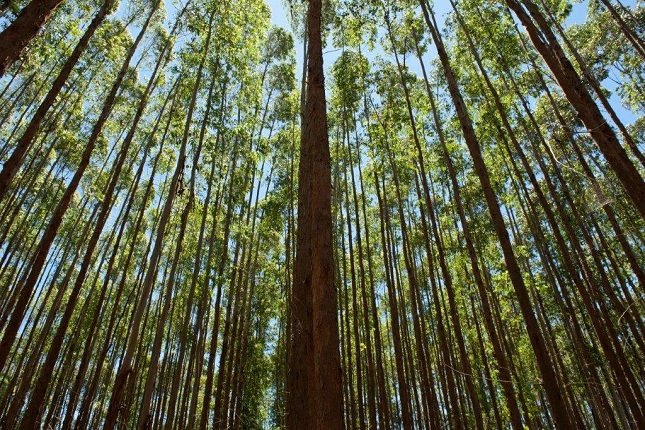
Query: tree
(314,379)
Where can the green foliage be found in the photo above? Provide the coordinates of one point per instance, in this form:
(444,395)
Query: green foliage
(227,87)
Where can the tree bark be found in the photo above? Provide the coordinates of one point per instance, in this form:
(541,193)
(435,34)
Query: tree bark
(314,396)
(15,38)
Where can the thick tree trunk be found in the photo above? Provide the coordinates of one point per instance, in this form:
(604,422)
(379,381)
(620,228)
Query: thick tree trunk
(15,38)
(314,396)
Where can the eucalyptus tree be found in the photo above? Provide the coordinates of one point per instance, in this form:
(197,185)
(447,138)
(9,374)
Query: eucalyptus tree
(458,254)
(42,383)
(314,394)
(591,78)
(125,369)
(498,352)
(429,211)
(628,25)
(349,73)
(568,256)
(545,364)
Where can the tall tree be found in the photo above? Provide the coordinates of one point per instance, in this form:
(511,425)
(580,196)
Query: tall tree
(465,256)
(314,393)
(551,385)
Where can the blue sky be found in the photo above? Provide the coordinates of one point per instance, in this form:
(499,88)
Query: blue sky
(278,14)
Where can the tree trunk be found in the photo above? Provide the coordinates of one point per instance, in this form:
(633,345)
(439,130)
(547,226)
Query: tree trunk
(553,390)
(15,38)
(28,282)
(314,396)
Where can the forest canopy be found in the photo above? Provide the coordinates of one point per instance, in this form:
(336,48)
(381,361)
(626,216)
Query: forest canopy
(391,214)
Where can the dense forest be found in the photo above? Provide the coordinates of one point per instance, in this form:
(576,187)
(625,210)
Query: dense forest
(391,214)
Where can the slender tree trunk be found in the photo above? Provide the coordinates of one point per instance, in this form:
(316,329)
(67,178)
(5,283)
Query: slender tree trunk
(210,370)
(189,301)
(553,390)
(498,353)
(600,93)
(28,282)
(404,392)
(126,369)
(632,36)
